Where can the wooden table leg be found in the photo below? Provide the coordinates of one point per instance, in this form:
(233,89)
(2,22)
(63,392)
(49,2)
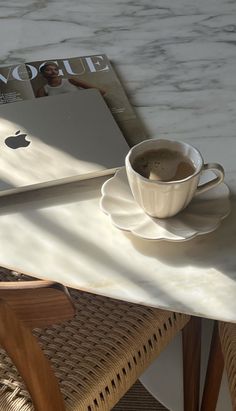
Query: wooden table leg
(214,373)
(191,346)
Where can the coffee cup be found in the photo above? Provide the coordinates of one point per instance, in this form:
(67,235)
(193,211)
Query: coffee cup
(164,175)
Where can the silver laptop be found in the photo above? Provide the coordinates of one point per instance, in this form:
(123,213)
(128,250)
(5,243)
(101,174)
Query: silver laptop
(57,137)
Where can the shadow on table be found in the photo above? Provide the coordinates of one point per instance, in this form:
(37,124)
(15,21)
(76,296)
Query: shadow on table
(215,250)
(30,204)
(64,193)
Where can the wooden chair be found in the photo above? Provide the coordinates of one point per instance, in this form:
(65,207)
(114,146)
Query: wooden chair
(222,354)
(89,360)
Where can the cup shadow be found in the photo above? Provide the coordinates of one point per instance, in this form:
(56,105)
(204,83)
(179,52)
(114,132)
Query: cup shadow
(213,250)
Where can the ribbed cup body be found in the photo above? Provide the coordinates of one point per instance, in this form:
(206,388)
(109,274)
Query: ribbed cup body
(163,199)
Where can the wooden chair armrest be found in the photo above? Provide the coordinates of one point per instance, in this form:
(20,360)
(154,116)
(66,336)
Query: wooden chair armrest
(16,285)
(38,303)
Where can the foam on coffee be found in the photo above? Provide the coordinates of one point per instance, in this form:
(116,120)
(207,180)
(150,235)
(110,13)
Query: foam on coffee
(163,164)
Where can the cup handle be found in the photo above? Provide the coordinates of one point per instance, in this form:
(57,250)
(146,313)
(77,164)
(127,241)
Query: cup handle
(219,172)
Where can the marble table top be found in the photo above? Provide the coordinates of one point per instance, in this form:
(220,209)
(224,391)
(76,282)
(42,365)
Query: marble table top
(177,64)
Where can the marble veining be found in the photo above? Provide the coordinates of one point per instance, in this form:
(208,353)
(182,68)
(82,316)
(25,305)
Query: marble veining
(177,63)
(176,60)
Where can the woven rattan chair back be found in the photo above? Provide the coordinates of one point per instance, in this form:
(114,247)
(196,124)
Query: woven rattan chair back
(96,356)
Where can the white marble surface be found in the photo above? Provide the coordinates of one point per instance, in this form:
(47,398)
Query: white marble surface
(64,236)
(177,62)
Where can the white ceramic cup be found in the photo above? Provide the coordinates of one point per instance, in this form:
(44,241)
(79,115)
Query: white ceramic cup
(164,199)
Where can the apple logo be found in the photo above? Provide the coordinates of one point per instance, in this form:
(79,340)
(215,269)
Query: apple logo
(17,141)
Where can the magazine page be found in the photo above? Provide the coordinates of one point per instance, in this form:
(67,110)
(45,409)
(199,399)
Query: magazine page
(15,84)
(72,74)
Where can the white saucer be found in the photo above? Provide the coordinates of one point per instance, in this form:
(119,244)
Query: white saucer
(202,216)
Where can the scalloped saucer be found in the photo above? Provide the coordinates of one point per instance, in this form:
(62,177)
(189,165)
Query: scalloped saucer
(203,214)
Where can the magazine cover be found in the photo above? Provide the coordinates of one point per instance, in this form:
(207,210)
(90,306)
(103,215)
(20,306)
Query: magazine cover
(58,76)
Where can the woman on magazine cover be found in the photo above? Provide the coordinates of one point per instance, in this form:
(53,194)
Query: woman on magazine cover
(57,85)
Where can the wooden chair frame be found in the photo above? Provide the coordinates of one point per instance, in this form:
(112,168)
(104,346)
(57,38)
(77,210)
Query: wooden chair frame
(25,305)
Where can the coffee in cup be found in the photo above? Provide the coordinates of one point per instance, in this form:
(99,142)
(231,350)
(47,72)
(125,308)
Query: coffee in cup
(164,175)
(163,164)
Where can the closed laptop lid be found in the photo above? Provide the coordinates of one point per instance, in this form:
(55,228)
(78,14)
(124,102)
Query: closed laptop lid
(56,137)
